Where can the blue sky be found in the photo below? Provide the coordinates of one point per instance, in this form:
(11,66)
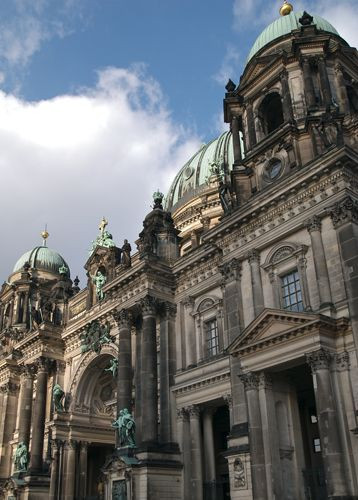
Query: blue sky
(102,101)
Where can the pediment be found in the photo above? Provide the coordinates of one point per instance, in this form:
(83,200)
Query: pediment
(271,324)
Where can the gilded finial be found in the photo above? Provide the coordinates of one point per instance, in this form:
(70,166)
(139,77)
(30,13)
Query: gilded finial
(286,8)
(45,234)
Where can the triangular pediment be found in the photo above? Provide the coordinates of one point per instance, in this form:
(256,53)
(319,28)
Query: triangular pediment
(272,323)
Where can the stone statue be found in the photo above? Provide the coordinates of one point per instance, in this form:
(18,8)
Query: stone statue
(126,428)
(225,197)
(57,395)
(126,254)
(99,280)
(113,367)
(21,457)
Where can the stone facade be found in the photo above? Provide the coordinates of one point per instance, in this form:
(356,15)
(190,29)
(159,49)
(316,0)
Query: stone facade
(231,335)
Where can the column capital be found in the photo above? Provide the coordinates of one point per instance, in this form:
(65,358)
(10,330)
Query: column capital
(27,371)
(313,224)
(84,445)
(122,317)
(189,302)
(193,411)
(253,255)
(228,399)
(148,305)
(9,388)
(56,445)
(341,361)
(182,413)
(250,380)
(231,270)
(319,360)
(344,211)
(42,364)
(70,444)
(169,309)
(265,381)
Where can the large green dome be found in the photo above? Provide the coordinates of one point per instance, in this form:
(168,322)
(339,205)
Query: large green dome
(283,26)
(192,178)
(42,258)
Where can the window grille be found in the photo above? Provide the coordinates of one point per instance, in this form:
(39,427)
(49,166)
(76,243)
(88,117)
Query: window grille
(212,337)
(291,292)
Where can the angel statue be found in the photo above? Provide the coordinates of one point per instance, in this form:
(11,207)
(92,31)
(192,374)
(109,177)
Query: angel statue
(126,428)
(57,395)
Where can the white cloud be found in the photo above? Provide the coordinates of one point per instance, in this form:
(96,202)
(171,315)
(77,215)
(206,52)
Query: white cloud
(72,159)
(229,66)
(26,24)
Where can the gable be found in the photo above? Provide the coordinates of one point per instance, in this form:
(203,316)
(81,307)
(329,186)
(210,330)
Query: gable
(269,324)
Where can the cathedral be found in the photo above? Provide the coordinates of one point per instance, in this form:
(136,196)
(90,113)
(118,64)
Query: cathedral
(219,359)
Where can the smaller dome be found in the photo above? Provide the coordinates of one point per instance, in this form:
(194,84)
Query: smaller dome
(42,258)
(283,26)
(192,178)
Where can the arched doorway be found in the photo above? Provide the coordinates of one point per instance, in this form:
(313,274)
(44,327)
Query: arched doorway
(93,408)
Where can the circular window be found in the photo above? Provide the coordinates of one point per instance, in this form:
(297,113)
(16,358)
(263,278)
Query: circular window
(274,169)
(188,172)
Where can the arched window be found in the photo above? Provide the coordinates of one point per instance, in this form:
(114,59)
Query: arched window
(271,113)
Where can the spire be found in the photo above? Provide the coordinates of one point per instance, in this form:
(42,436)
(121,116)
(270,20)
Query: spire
(286,8)
(45,235)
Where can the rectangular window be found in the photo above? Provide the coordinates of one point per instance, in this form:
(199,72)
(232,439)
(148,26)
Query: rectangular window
(317,445)
(291,292)
(212,337)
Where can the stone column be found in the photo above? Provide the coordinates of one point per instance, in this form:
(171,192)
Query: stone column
(10,396)
(38,429)
(196,454)
(258,473)
(209,453)
(124,376)
(83,471)
(341,90)
(190,341)
(235,129)
(167,370)
(25,410)
(325,85)
(149,375)
(70,470)
(138,380)
(253,257)
(313,226)
(184,443)
(286,98)
(319,362)
(344,216)
(250,125)
(234,325)
(56,445)
(308,84)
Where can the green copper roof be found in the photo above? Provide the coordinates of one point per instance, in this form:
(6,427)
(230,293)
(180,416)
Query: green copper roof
(283,26)
(191,179)
(41,258)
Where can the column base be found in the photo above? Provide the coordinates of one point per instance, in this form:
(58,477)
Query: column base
(139,474)
(36,487)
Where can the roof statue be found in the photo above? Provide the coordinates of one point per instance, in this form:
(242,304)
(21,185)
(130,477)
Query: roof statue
(104,239)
